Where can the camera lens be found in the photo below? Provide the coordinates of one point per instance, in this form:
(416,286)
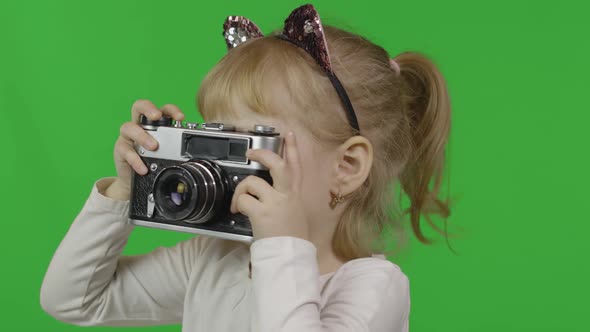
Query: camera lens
(175,193)
(193,192)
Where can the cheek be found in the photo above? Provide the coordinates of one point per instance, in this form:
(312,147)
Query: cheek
(315,181)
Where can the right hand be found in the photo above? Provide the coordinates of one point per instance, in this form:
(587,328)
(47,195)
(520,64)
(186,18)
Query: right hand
(126,158)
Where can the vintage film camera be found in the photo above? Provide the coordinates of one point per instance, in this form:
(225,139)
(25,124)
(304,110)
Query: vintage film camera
(193,174)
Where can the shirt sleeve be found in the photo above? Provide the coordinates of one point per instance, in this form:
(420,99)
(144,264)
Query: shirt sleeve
(367,295)
(88,282)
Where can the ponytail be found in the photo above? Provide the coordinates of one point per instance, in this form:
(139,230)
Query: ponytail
(427,106)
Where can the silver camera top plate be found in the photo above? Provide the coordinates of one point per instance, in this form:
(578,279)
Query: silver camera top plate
(170,139)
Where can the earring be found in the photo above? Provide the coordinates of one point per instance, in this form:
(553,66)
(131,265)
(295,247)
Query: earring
(336,199)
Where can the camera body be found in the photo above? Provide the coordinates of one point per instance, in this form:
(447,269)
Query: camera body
(193,174)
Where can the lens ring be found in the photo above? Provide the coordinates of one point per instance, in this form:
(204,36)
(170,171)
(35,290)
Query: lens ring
(222,186)
(208,185)
(215,189)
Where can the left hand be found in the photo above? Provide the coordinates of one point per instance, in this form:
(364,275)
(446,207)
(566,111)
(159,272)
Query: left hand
(275,210)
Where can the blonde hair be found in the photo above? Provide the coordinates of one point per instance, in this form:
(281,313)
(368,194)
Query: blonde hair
(406,118)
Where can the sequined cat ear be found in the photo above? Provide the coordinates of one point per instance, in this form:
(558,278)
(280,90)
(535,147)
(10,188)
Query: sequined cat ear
(238,29)
(304,28)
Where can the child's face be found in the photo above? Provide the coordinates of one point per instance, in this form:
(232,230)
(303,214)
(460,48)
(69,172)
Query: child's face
(315,162)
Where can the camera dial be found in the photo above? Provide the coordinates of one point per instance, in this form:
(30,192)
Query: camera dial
(264,130)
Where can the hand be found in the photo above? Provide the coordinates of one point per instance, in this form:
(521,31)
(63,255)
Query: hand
(126,158)
(275,210)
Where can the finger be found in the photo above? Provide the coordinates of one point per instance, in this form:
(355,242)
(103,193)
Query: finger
(292,156)
(132,132)
(125,151)
(275,164)
(247,205)
(254,186)
(146,108)
(172,111)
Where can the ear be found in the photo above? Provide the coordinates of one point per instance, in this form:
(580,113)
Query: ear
(352,166)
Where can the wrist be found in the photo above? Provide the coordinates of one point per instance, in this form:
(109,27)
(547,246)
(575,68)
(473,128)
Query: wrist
(295,232)
(118,190)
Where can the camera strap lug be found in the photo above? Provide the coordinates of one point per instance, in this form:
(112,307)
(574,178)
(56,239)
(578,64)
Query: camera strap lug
(150,205)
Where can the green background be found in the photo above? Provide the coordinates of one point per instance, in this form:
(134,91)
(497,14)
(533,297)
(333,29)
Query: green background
(517,74)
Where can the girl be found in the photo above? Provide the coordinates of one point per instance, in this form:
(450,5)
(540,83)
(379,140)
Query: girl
(312,266)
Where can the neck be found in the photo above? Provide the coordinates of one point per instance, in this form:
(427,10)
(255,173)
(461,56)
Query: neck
(328,261)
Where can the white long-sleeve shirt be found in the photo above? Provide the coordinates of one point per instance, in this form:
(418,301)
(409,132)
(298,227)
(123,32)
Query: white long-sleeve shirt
(203,283)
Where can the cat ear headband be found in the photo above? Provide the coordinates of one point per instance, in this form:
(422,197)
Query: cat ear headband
(304,29)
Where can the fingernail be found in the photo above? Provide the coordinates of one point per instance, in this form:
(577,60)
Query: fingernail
(248,153)
(153,143)
(143,170)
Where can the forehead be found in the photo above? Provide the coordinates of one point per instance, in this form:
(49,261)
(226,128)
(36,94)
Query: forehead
(245,98)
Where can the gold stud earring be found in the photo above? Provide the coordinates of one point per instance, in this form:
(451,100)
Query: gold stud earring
(336,199)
